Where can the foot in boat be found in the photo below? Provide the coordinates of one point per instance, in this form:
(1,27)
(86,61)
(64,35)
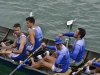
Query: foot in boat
(39,57)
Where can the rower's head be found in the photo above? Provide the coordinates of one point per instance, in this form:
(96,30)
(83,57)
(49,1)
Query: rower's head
(79,33)
(58,43)
(17,29)
(30,21)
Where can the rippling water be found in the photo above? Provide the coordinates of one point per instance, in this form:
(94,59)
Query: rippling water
(51,16)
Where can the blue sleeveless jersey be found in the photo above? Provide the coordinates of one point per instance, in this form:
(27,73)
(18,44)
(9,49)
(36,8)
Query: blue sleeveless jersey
(23,54)
(37,38)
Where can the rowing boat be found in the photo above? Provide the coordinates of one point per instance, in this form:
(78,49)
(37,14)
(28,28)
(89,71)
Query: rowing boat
(7,33)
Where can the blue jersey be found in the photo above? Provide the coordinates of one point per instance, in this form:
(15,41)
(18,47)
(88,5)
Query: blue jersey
(63,57)
(37,38)
(78,48)
(96,64)
(23,54)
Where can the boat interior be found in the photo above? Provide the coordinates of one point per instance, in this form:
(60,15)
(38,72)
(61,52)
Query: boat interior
(6,35)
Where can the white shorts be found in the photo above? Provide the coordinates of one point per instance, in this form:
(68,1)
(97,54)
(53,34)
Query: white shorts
(13,55)
(30,47)
(54,69)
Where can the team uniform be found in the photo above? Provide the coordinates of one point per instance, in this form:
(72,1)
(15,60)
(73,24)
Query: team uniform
(37,39)
(63,58)
(23,54)
(78,48)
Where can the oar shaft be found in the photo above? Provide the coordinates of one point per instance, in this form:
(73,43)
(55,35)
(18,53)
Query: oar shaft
(79,69)
(13,71)
(98,60)
(24,61)
(6,41)
(91,60)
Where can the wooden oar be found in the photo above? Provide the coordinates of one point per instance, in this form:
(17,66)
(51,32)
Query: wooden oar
(79,69)
(5,34)
(24,61)
(7,41)
(69,24)
(98,60)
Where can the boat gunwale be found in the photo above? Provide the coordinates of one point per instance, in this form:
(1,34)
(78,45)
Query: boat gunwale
(24,67)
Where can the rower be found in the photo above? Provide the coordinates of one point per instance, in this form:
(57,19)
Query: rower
(34,35)
(80,69)
(78,47)
(95,71)
(20,43)
(58,62)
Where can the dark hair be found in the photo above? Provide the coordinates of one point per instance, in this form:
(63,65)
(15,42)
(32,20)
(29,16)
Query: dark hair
(16,25)
(30,19)
(82,32)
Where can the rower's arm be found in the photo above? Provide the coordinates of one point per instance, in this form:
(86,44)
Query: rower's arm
(21,47)
(10,46)
(96,64)
(31,36)
(50,47)
(75,52)
(59,58)
(69,34)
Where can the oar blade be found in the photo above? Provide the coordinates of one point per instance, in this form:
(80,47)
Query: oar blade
(31,14)
(70,22)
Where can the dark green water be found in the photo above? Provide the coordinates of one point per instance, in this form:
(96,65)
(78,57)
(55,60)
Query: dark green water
(4,70)
(51,16)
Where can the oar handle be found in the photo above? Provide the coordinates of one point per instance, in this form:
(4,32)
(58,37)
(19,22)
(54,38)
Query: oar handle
(24,61)
(34,52)
(98,60)
(91,60)
(79,69)
(6,41)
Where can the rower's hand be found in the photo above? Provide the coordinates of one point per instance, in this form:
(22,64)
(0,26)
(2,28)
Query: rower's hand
(89,63)
(14,35)
(3,45)
(60,35)
(59,65)
(43,45)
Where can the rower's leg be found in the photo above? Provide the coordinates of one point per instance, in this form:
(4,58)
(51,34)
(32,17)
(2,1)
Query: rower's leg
(54,55)
(32,60)
(49,59)
(42,63)
(27,53)
(5,52)
(97,70)
(92,71)
(97,73)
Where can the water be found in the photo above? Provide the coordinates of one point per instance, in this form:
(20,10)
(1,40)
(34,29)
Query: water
(51,16)
(4,70)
